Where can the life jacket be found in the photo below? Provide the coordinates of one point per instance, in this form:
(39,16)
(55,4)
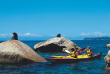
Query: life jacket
(80,51)
(89,52)
(73,54)
(77,52)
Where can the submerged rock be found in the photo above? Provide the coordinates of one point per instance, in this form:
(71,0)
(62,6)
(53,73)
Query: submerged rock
(107,59)
(108,45)
(14,51)
(58,44)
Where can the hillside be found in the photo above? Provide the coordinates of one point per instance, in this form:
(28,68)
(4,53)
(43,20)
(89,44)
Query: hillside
(98,38)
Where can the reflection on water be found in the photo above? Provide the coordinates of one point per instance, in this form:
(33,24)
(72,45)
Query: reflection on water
(73,64)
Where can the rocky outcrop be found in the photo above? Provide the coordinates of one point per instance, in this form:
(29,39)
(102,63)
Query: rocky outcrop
(14,51)
(58,44)
(107,59)
(108,45)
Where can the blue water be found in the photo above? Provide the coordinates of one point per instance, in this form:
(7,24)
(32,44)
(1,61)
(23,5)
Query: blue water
(84,67)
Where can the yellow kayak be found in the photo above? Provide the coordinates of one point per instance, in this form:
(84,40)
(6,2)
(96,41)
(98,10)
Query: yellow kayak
(70,59)
(69,56)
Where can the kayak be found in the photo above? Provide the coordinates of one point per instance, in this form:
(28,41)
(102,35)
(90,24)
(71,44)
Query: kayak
(69,59)
(69,56)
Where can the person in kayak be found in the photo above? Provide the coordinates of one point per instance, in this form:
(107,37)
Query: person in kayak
(75,53)
(72,53)
(89,52)
(81,51)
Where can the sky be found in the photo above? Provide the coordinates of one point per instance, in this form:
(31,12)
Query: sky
(44,19)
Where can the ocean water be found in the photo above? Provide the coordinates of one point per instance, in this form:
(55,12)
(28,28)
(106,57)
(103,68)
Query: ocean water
(84,67)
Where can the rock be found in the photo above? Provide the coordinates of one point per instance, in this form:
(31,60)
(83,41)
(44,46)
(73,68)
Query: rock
(14,51)
(107,59)
(58,44)
(108,45)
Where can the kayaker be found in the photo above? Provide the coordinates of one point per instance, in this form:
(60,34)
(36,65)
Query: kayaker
(76,52)
(81,51)
(72,53)
(89,52)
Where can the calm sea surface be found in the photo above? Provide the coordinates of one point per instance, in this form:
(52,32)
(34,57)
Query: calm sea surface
(84,67)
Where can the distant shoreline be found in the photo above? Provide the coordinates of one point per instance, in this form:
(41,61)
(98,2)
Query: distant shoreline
(97,38)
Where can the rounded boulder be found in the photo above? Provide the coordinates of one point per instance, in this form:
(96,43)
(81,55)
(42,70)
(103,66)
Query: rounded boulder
(108,45)
(58,44)
(107,59)
(14,51)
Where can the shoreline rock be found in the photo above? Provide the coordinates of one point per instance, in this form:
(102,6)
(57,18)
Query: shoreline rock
(107,59)
(57,44)
(108,45)
(14,51)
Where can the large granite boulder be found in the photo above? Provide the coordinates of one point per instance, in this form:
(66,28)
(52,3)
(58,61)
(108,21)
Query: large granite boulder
(58,44)
(107,59)
(14,51)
